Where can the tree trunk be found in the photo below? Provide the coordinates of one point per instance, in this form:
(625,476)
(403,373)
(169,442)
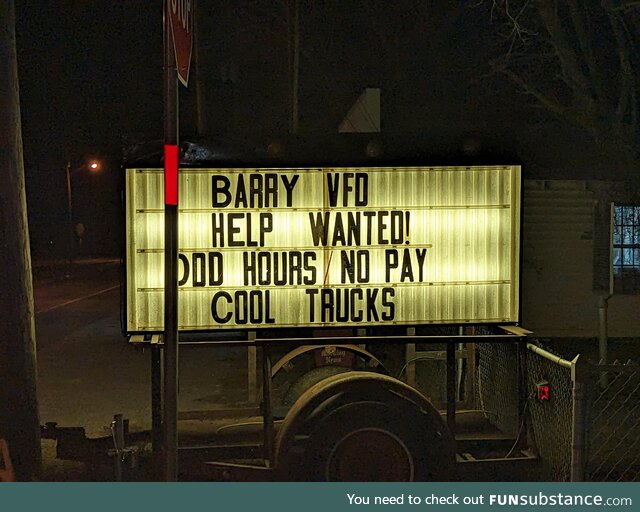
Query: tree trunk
(19,423)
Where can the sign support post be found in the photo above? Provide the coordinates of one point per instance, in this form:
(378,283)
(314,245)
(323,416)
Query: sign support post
(178,43)
(171,161)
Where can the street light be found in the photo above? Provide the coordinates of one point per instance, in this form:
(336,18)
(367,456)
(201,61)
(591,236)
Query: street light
(92,165)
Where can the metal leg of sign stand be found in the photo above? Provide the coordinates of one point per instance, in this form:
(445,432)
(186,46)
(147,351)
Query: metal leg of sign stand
(269,429)
(451,387)
(470,392)
(361,333)
(460,365)
(410,358)
(522,433)
(252,373)
(156,408)
(117,428)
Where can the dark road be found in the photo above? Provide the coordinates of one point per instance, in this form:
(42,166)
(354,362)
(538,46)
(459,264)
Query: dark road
(87,371)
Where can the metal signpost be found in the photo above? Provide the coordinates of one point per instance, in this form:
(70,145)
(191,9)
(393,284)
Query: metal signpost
(178,21)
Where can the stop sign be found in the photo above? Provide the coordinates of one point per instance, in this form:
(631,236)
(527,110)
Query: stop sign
(181,20)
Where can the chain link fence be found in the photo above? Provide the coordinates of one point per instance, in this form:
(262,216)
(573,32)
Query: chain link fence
(550,415)
(588,425)
(581,419)
(613,423)
(498,382)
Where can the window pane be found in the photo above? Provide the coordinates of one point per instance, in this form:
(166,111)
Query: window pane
(618,216)
(616,235)
(626,248)
(628,215)
(617,257)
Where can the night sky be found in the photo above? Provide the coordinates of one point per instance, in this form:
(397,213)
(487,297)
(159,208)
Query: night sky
(91,78)
(90,72)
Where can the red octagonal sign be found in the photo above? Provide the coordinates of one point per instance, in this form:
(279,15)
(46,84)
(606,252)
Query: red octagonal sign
(181,16)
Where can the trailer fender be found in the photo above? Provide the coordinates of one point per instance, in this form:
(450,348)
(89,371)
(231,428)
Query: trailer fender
(363,426)
(369,359)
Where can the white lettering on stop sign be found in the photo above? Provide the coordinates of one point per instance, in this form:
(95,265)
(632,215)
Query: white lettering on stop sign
(180,14)
(182,8)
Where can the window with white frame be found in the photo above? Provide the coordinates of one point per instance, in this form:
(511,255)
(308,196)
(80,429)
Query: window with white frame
(626,247)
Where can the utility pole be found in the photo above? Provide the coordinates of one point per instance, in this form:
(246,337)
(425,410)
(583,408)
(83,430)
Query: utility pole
(69,215)
(19,423)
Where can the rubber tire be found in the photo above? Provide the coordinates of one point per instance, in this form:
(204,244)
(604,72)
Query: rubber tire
(313,422)
(430,459)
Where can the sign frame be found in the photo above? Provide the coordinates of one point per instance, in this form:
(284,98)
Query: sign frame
(515,220)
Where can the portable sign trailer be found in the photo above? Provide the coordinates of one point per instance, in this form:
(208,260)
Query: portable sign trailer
(339,259)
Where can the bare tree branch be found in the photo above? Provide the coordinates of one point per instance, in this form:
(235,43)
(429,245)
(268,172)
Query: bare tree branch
(626,6)
(546,101)
(593,53)
(566,54)
(627,92)
(578,15)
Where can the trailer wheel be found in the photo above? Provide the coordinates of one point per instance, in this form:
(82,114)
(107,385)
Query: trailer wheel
(363,442)
(362,426)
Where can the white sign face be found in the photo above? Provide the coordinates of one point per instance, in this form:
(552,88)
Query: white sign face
(311,247)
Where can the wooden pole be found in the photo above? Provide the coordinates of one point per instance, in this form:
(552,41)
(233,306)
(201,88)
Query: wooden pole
(19,423)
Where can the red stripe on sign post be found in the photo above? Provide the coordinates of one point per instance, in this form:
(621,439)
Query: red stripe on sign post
(171,174)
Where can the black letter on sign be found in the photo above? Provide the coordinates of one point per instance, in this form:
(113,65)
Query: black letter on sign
(217,190)
(362,189)
(217,229)
(234,230)
(199,269)
(185,275)
(266,226)
(347,266)
(214,307)
(333,188)
(312,294)
(372,312)
(390,261)
(289,185)
(390,312)
(215,269)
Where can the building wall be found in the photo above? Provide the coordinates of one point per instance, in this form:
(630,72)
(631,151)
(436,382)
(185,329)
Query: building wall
(558,295)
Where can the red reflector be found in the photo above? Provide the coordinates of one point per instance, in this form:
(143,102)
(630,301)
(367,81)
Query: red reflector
(171,174)
(544,391)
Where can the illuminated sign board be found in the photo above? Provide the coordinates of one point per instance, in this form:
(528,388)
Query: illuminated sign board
(312,247)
